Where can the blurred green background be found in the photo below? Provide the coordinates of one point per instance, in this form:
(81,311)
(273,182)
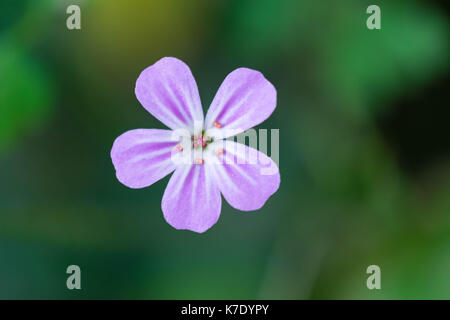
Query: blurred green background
(364,151)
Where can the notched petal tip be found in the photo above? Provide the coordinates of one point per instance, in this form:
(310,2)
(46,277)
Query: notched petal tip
(195,229)
(254,206)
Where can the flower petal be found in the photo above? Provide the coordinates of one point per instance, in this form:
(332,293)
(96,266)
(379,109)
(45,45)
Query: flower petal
(192,200)
(246,177)
(143,156)
(245,99)
(167,90)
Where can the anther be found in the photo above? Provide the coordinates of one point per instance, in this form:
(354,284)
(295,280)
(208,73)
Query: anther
(179,147)
(217,125)
(199,161)
(219,152)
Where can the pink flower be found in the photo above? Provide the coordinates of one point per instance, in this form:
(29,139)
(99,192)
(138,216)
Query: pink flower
(192,199)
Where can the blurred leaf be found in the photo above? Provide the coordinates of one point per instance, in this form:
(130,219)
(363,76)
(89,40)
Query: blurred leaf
(11,11)
(25,94)
(366,66)
(414,258)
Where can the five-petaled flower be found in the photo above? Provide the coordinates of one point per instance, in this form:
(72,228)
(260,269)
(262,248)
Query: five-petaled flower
(205,165)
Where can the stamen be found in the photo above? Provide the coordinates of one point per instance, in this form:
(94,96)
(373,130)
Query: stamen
(179,147)
(200,141)
(217,125)
(199,161)
(219,152)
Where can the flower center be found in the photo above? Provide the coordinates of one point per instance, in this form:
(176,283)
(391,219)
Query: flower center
(196,150)
(201,141)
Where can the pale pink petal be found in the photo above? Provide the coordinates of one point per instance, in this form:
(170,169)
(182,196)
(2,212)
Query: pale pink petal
(192,200)
(246,177)
(167,89)
(244,99)
(143,156)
